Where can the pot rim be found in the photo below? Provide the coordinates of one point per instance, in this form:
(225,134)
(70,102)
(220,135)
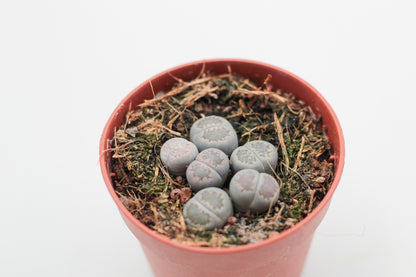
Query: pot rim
(234,249)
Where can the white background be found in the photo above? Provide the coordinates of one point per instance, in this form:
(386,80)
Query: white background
(65,65)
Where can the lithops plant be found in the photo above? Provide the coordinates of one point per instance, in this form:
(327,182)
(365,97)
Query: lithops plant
(214,132)
(254,191)
(209,169)
(210,208)
(257,154)
(176,154)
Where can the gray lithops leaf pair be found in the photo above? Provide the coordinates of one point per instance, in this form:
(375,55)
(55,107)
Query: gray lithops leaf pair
(254,191)
(210,208)
(214,132)
(259,155)
(209,169)
(177,154)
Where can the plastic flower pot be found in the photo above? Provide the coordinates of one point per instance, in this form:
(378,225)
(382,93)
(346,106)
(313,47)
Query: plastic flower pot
(280,255)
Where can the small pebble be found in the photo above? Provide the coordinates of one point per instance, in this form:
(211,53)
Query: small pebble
(253,191)
(175,194)
(257,154)
(214,132)
(232,220)
(210,208)
(209,169)
(176,154)
(180,180)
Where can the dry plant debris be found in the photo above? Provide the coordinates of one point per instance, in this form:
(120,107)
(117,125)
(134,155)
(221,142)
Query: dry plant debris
(305,166)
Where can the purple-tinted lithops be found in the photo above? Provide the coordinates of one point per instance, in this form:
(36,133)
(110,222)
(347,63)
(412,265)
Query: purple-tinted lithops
(257,154)
(209,169)
(176,154)
(210,208)
(214,132)
(254,191)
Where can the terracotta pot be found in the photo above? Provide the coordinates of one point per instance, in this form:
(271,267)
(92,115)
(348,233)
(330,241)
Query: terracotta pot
(281,255)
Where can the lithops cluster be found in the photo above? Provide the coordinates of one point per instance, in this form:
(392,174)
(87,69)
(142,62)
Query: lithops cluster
(209,169)
(210,208)
(214,132)
(254,191)
(257,154)
(206,172)
(176,154)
